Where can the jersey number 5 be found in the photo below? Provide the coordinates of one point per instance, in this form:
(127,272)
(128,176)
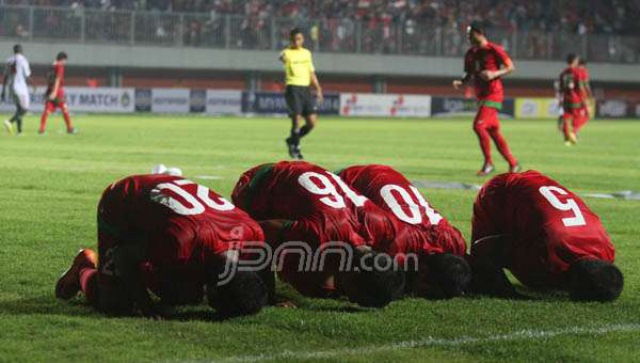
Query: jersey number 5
(195,204)
(551,194)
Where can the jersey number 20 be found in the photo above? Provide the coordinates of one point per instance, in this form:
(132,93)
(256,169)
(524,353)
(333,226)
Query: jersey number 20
(196,204)
(551,194)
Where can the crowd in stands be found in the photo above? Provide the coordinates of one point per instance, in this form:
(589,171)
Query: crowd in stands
(380,26)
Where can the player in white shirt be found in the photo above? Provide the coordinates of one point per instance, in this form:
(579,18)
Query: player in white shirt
(17,76)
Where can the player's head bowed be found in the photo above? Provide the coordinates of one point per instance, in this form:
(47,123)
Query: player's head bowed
(376,286)
(595,280)
(444,276)
(244,294)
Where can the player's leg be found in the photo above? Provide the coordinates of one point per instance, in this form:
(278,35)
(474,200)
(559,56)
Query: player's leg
(81,276)
(49,108)
(67,118)
(503,148)
(310,112)
(569,136)
(480,128)
(295,113)
(22,105)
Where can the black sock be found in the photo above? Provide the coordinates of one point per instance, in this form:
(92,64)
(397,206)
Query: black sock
(295,137)
(305,130)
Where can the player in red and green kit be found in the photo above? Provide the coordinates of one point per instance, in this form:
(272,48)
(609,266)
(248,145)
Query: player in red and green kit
(572,100)
(587,94)
(485,64)
(55,98)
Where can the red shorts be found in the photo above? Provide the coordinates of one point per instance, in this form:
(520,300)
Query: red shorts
(573,113)
(51,106)
(486,118)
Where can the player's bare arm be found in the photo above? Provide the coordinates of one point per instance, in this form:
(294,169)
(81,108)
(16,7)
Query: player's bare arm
(127,264)
(463,81)
(488,75)
(316,84)
(56,88)
(488,277)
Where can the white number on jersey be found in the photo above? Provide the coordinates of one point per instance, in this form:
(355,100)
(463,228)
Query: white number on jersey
(551,194)
(415,209)
(196,203)
(320,184)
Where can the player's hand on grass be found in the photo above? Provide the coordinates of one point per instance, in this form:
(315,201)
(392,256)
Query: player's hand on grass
(286,304)
(457,84)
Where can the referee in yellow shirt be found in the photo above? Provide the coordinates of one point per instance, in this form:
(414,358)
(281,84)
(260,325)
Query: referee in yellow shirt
(299,75)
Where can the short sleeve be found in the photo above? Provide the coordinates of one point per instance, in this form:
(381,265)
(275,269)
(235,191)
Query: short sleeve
(26,67)
(502,55)
(312,68)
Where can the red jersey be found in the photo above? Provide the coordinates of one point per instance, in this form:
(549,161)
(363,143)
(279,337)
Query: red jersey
(57,71)
(174,220)
(490,57)
(584,78)
(570,80)
(319,203)
(391,191)
(548,227)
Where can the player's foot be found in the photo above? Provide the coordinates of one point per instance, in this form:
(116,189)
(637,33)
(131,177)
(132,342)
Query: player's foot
(486,170)
(573,138)
(42,132)
(515,169)
(568,143)
(72,131)
(299,155)
(8,126)
(291,147)
(69,283)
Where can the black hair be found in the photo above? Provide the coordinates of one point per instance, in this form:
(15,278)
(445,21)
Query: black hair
(594,280)
(378,286)
(571,57)
(448,275)
(61,56)
(244,294)
(17,48)
(295,31)
(477,26)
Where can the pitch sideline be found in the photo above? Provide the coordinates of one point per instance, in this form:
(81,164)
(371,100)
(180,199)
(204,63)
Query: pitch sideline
(433,342)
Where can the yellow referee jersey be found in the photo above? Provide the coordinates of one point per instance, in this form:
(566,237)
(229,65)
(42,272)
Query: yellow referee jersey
(298,66)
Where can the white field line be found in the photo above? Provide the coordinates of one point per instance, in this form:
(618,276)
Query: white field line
(436,342)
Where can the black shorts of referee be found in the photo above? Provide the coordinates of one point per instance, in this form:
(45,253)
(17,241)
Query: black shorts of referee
(300,101)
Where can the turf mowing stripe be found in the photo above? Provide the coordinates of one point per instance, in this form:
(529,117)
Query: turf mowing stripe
(433,342)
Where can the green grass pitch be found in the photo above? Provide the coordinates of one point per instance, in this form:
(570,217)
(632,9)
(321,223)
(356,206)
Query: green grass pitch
(50,186)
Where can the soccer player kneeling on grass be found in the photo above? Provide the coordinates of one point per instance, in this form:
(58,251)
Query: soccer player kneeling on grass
(305,210)
(412,227)
(171,236)
(545,235)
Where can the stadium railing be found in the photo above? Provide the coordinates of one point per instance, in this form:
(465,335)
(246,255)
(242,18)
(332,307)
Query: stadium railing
(346,35)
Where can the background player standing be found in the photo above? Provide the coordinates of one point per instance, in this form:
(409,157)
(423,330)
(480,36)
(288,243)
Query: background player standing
(299,75)
(572,101)
(485,64)
(17,75)
(55,95)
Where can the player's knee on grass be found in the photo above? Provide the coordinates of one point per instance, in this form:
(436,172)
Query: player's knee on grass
(595,280)
(376,286)
(443,276)
(244,294)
